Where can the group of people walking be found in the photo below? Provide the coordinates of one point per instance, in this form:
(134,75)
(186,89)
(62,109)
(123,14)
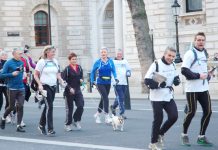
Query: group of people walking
(160,78)
(46,74)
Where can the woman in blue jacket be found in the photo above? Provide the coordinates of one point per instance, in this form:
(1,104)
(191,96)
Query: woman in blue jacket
(102,69)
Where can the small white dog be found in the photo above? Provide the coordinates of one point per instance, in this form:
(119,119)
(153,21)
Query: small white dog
(117,121)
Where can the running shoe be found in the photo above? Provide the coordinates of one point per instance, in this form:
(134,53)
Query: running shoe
(154,146)
(185,140)
(42,130)
(20,129)
(202,140)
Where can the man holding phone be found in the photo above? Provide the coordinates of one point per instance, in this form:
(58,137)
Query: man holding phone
(13,72)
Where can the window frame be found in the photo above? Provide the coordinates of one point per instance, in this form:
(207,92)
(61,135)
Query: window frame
(188,10)
(41,26)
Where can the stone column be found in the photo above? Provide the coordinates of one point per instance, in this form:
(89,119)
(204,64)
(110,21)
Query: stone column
(118,24)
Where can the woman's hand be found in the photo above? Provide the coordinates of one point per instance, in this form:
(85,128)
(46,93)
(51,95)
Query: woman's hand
(40,87)
(72,91)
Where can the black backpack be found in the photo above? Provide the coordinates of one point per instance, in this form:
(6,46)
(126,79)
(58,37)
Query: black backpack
(34,84)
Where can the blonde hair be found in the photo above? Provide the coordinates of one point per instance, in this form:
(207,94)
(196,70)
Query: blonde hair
(46,50)
(3,53)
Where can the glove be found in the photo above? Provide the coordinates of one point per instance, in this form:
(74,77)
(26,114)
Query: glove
(163,85)
(117,81)
(128,73)
(176,80)
(151,83)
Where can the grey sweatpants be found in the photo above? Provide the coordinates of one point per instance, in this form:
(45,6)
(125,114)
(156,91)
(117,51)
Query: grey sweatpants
(15,98)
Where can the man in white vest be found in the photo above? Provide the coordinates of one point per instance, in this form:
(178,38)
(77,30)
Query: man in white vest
(194,68)
(160,78)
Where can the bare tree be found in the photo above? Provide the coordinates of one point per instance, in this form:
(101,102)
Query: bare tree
(143,41)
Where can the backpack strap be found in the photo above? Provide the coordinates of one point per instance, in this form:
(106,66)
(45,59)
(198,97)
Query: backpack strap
(43,67)
(67,71)
(206,53)
(196,57)
(157,66)
(174,65)
(80,69)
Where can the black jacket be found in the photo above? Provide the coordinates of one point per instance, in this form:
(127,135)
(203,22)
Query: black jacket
(2,62)
(72,78)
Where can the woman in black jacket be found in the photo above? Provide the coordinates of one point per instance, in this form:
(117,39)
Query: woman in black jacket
(3,88)
(73,75)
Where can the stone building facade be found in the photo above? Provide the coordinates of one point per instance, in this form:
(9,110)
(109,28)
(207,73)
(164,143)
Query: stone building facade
(84,26)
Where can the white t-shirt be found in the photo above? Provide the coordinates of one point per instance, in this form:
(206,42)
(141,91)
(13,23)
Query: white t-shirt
(48,71)
(121,66)
(168,71)
(200,66)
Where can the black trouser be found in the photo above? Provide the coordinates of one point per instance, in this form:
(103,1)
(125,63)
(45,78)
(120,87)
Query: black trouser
(104,90)
(172,113)
(204,99)
(79,102)
(27,92)
(15,97)
(47,112)
(3,90)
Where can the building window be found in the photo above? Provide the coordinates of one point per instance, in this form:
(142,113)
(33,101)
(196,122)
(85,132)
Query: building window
(193,5)
(41,28)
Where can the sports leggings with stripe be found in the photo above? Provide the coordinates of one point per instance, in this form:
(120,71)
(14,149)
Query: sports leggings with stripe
(204,99)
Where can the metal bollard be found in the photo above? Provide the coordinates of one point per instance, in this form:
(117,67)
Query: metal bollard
(89,87)
(127,96)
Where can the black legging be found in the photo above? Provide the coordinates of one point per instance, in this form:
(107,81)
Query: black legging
(104,90)
(205,102)
(47,113)
(172,113)
(3,91)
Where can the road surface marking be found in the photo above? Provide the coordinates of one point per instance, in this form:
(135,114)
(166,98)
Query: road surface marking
(68,144)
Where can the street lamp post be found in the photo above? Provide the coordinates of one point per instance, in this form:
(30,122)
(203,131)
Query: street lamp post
(151,33)
(49,22)
(175,8)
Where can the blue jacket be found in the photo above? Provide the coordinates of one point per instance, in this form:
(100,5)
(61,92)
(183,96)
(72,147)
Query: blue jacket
(102,70)
(13,82)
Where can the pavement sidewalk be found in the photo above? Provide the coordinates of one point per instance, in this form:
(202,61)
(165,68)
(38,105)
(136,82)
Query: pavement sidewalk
(133,96)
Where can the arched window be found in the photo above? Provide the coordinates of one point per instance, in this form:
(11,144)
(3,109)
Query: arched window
(41,28)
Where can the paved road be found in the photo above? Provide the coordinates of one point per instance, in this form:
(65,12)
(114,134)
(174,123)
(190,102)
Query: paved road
(136,135)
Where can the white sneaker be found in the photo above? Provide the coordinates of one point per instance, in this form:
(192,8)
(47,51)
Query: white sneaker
(97,117)
(67,128)
(22,124)
(77,125)
(8,119)
(161,141)
(154,146)
(108,119)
